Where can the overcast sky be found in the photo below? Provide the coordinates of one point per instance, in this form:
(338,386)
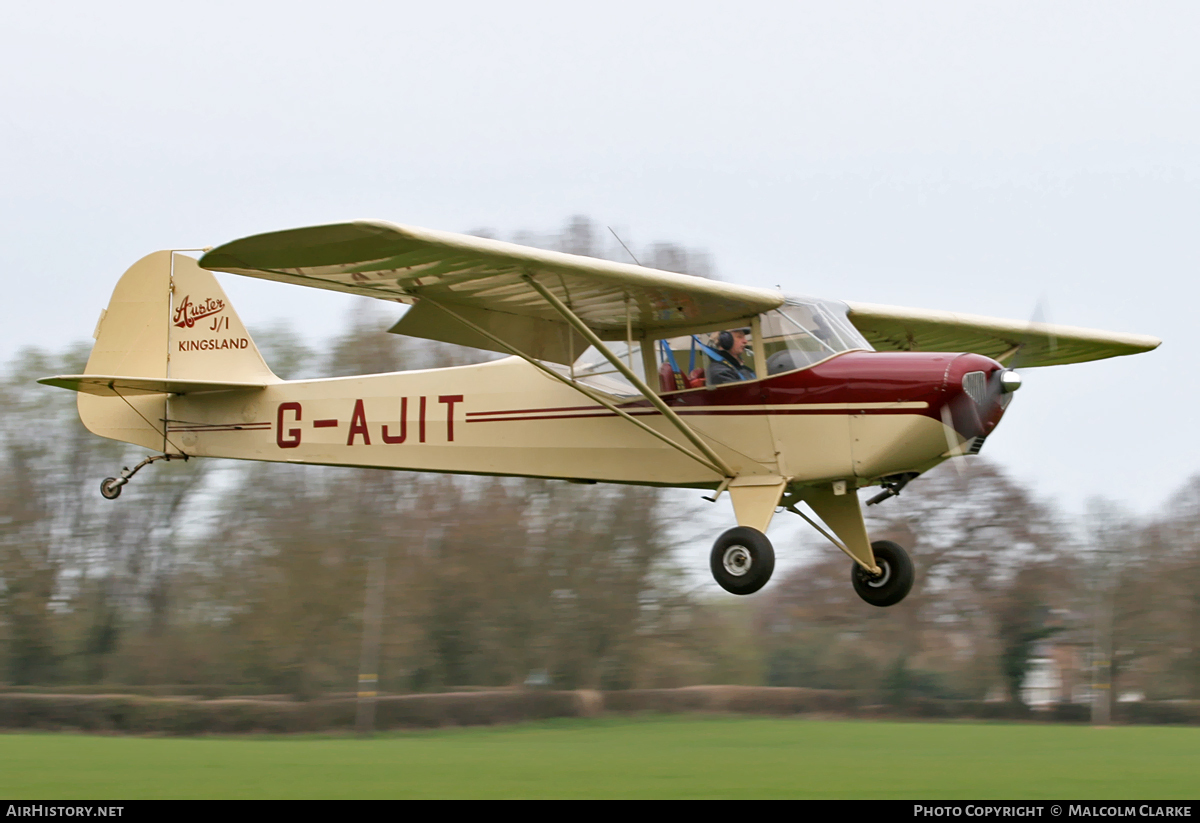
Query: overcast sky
(973,157)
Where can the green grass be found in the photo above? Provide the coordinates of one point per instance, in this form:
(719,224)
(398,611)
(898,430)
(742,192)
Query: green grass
(665,757)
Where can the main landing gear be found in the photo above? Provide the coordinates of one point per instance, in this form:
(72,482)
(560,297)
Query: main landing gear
(110,487)
(895,578)
(743,559)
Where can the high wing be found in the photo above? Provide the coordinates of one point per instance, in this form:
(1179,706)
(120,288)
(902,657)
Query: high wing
(488,284)
(892,328)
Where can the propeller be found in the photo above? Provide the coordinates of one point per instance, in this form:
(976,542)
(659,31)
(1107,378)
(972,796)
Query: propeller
(1007,380)
(1039,328)
(1040,317)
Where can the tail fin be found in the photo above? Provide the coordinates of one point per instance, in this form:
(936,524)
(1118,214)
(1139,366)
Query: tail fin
(170,318)
(168,324)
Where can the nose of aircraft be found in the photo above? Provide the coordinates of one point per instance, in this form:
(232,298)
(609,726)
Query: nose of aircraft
(979,390)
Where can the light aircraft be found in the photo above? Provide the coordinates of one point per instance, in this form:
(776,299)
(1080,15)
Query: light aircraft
(828,398)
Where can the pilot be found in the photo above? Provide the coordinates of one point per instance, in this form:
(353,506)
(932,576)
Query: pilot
(730,368)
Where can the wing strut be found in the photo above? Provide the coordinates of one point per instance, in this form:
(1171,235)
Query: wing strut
(667,412)
(596,396)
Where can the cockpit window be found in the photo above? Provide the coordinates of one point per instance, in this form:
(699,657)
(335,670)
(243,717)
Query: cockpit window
(594,369)
(688,362)
(803,332)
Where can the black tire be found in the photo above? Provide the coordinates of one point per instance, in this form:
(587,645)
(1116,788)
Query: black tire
(894,584)
(109,490)
(742,560)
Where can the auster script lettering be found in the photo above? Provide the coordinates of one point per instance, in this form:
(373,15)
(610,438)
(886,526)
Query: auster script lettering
(188,312)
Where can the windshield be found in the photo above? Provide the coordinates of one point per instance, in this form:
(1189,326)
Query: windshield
(806,331)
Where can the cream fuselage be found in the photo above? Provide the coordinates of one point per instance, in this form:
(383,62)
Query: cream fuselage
(856,416)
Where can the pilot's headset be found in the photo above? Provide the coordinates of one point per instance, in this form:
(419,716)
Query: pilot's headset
(725,339)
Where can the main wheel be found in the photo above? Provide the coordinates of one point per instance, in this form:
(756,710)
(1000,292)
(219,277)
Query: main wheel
(742,560)
(893,582)
(109,488)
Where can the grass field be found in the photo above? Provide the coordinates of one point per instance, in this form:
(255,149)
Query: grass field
(665,757)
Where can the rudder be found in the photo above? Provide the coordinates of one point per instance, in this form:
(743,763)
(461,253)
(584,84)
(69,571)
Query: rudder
(206,338)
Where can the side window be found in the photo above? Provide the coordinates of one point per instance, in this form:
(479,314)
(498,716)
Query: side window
(594,369)
(681,364)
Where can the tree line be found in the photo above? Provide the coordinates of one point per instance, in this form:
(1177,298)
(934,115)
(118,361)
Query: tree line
(257,576)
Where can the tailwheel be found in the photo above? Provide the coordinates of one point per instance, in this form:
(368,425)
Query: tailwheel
(894,580)
(110,488)
(742,560)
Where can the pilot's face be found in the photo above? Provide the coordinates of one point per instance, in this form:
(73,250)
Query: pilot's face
(739,343)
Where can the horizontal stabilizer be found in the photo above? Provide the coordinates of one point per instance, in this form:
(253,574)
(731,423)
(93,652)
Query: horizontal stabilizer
(104,385)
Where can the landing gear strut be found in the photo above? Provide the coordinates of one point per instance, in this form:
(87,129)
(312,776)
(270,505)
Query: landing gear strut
(110,487)
(742,560)
(883,573)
